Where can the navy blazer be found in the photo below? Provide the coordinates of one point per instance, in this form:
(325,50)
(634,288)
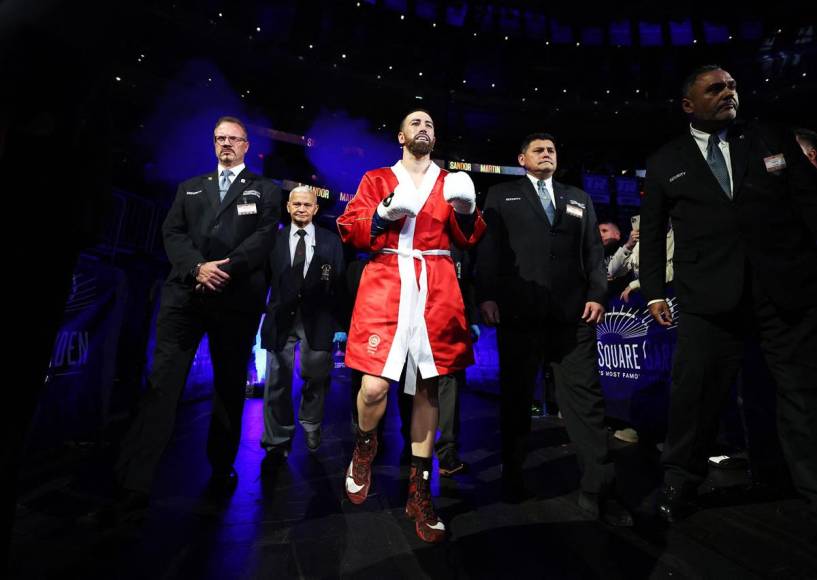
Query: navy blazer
(771,222)
(318,298)
(201,228)
(532,269)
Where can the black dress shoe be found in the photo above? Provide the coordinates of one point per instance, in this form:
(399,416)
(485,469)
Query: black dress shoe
(274,458)
(606,509)
(313,439)
(450,463)
(223,484)
(674,503)
(130,507)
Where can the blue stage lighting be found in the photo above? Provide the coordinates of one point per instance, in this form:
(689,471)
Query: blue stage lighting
(425,9)
(561,33)
(621,33)
(650,34)
(715,33)
(455,15)
(534,25)
(680,33)
(592,36)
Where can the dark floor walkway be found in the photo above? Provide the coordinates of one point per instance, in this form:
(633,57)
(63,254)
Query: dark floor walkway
(294,521)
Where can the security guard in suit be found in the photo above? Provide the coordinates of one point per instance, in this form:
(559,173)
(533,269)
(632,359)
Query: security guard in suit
(743,204)
(217,235)
(541,280)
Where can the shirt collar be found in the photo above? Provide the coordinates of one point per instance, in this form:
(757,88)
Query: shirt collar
(535,181)
(309,229)
(703,137)
(236,170)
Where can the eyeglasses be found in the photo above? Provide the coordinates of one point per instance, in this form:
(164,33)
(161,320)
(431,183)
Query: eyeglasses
(222,139)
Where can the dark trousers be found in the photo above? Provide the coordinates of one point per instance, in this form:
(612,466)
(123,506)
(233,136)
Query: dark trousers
(448,397)
(231,336)
(707,359)
(316,369)
(571,350)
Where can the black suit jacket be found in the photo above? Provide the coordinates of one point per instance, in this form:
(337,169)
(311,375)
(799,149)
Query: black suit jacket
(771,223)
(200,228)
(533,270)
(318,297)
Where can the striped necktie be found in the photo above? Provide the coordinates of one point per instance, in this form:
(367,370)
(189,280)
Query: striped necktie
(717,163)
(224,183)
(544,197)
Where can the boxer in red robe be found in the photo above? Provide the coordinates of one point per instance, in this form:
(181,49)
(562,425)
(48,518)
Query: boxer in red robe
(409,311)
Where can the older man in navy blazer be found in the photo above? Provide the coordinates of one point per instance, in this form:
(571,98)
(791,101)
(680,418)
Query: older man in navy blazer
(307,274)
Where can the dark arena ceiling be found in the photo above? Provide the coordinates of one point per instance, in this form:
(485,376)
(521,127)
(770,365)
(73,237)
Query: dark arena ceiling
(604,80)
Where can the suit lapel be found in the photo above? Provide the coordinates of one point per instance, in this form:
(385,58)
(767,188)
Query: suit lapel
(739,157)
(314,264)
(211,188)
(282,256)
(239,184)
(532,196)
(697,163)
(561,201)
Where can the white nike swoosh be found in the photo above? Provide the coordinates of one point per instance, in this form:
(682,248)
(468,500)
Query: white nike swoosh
(438,526)
(351,486)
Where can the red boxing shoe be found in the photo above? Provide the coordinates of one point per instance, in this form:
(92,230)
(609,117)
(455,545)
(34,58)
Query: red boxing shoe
(359,474)
(419,508)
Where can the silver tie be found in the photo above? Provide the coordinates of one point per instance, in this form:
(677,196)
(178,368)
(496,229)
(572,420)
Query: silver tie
(224,184)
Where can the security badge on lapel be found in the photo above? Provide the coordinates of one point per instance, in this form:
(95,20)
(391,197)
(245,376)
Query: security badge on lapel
(775,162)
(326,271)
(575,209)
(248,208)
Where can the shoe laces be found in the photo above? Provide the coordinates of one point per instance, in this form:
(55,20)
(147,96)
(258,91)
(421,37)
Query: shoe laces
(426,506)
(422,496)
(364,453)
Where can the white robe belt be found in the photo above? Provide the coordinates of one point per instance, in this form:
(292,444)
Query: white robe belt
(417,307)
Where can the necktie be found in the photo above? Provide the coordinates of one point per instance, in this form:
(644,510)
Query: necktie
(224,183)
(299,258)
(717,163)
(544,197)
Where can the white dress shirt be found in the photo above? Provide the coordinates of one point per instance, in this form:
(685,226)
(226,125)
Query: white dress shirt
(548,184)
(309,240)
(236,170)
(702,141)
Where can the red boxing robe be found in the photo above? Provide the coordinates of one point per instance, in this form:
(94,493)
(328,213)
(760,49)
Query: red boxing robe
(386,326)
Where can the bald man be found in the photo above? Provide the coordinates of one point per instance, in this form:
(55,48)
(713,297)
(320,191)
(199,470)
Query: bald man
(307,266)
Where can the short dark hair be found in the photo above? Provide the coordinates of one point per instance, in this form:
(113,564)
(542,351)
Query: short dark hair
(536,137)
(693,76)
(228,119)
(415,110)
(808,136)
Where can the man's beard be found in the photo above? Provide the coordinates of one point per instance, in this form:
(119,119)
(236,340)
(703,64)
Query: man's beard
(420,148)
